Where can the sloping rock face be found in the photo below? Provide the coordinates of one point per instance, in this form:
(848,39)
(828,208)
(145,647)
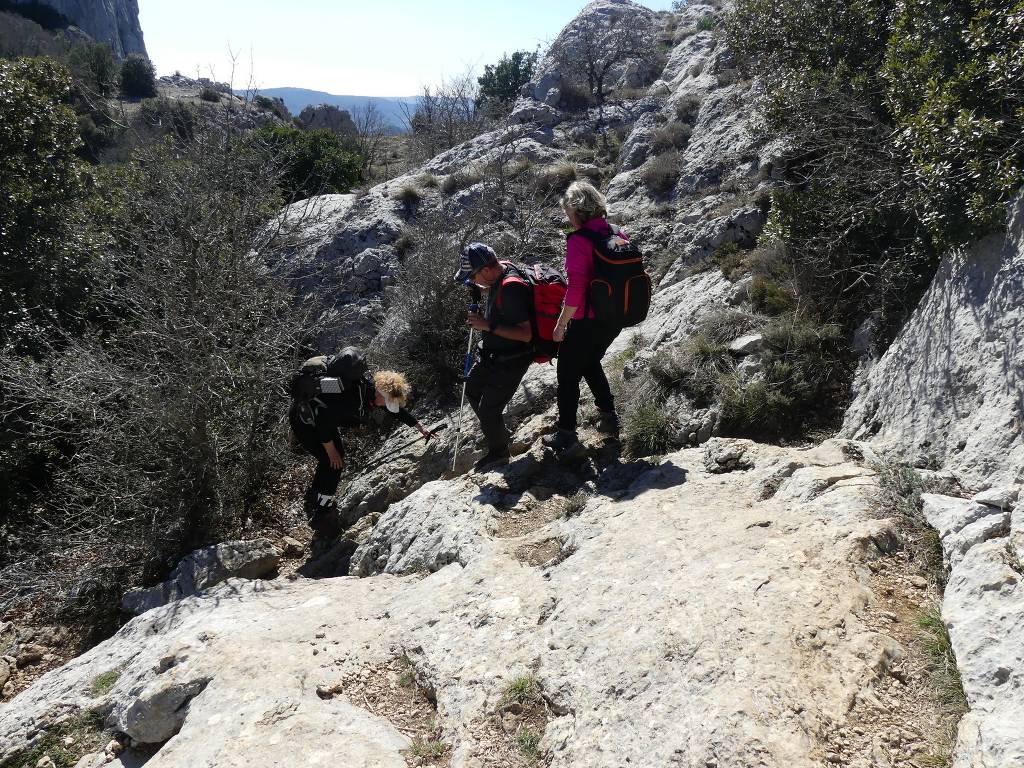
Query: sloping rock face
(950,389)
(205,568)
(983,609)
(110,21)
(684,619)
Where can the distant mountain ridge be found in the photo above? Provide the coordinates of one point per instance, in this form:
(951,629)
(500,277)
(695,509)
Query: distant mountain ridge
(391,107)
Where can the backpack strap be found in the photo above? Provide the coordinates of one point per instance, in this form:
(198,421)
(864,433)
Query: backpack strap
(508,279)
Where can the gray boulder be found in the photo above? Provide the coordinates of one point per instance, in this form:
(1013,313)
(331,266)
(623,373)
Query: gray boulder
(206,568)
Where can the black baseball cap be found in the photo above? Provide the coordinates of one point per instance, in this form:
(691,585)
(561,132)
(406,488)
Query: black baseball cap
(474,256)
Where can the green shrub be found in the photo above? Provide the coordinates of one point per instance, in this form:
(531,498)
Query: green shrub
(190,337)
(694,366)
(138,78)
(672,135)
(93,65)
(648,428)
(769,297)
(408,194)
(520,690)
(574,97)
(210,95)
(687,108)
(729,259)
(460,180)
(706,23)
(275,106)
(65,744)
(501,83)
(169,117)
(44,269)
(428,181)
(754,407)
(661,172)
(556,178)
(316,162)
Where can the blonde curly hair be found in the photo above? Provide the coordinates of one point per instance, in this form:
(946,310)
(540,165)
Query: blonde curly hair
(583,199)
(393,385)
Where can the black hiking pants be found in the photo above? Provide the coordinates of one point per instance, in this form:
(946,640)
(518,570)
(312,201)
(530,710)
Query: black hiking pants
(325,478)
(491,384)
(579,358)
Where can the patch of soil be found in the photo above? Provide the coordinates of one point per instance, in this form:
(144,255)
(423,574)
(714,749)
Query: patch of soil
(548,552)
(529,515)
(907,719)
(510,737)
(393,692)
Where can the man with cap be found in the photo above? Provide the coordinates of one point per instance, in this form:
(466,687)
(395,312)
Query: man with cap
(318,430)
(505,350)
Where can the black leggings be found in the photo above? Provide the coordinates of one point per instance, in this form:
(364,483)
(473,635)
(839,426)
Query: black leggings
(579,358)
(325,478)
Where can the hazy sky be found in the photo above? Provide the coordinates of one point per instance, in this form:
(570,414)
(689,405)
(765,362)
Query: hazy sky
(366,48)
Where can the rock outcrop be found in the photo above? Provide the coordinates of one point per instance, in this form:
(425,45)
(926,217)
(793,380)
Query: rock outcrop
(983,609)
(109,21)
(950,389)
(683,620)
(205,568)
(328,117)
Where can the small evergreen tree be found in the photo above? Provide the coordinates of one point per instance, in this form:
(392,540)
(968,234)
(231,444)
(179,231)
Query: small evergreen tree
(138,78)
(93,66)
(314,162)
(500,83)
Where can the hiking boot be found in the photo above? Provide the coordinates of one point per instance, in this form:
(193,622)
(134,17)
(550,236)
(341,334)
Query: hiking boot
(608,423)
(561,439)
(493,458)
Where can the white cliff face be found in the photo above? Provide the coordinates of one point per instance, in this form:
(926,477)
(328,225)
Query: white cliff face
(110,21)
(681,618)
(950,389)
(983,608)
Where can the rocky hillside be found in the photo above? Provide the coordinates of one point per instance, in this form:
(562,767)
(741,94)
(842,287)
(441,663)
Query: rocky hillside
(728,604)
(109,21)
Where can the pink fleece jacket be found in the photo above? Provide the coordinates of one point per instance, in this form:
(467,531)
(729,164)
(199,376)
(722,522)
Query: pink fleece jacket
(579,267)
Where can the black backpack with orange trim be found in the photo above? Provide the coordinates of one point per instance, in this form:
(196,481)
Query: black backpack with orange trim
(620,291)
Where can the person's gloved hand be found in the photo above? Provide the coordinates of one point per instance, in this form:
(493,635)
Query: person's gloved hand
(427,434)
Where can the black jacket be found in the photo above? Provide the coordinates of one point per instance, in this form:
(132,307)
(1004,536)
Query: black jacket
(351,408)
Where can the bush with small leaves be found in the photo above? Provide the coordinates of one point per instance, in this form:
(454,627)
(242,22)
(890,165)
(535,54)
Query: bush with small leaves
(556,178)
(210,95)
(661,173)
(138,78)
(672,135)
(460,180)
(769,297)
(408,194)
(574,97)
(648,428)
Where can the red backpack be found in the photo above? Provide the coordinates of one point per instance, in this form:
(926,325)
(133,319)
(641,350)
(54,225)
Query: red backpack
(548,288)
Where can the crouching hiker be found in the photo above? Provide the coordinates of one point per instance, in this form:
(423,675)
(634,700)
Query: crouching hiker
(331,394)
(505,351)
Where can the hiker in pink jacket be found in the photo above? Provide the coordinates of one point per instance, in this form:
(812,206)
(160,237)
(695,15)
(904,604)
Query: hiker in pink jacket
(583,340)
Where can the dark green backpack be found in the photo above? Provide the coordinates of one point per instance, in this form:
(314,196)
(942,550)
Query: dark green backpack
(328,374)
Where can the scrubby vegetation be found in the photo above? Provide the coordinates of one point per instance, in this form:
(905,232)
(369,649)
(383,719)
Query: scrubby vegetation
(138,78)
(315,162)
(905,121)
(143,341)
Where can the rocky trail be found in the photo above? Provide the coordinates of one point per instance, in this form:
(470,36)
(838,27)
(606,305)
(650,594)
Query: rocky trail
(722,608)
(728,605)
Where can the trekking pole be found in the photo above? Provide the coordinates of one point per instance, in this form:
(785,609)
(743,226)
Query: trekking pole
(462,403)
(381,459)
